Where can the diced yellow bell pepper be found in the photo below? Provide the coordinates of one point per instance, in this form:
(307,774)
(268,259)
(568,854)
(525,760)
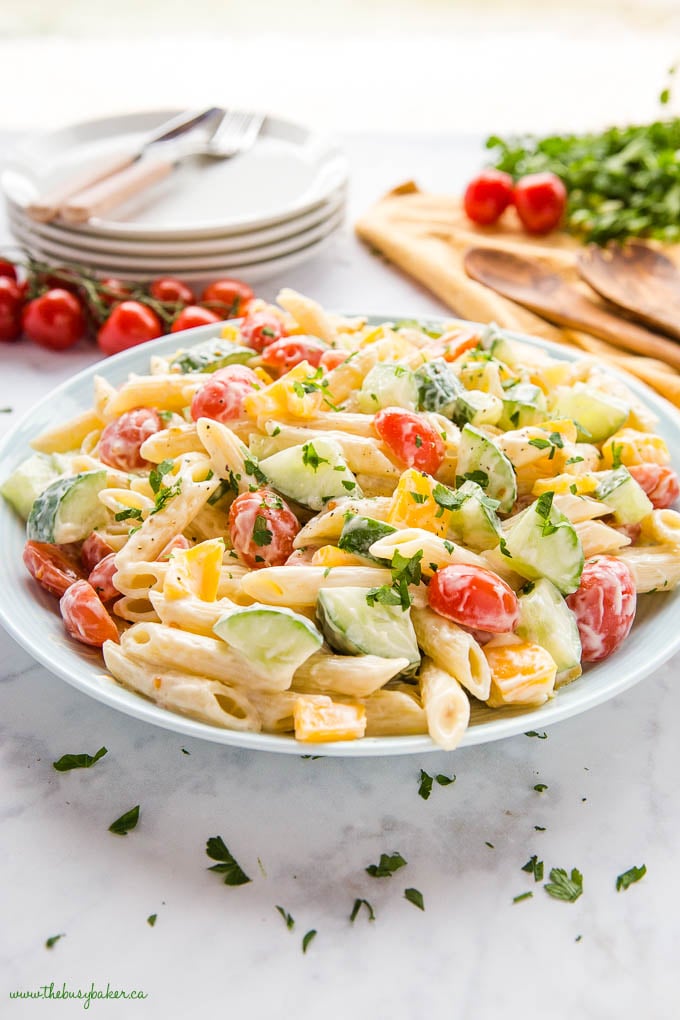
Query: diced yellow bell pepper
(332,556)
(630,447)
(231,333)
(521,674)
(195,571)
(564,426)
(286,396)
(413,504)
(318,719)
(263,376)
(579,485)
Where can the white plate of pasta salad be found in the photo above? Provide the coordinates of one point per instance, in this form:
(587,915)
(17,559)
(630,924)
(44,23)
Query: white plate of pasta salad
(355,536)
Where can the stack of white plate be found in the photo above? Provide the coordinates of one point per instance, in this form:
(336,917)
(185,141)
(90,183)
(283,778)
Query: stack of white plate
(252,216)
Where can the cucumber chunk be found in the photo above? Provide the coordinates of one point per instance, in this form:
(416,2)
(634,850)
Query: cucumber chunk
(353,627)
(543,543)
(438,388)
(547,619)
(26,483)
(596,415)
(311,473)
(474,522)
(523,404)
(478,408)
(387,385)
(359,533)
(276,640)
(211,355)
(480,461)
(628,500)
(68,509)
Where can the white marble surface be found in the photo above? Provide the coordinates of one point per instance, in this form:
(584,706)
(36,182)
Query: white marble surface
(611,803)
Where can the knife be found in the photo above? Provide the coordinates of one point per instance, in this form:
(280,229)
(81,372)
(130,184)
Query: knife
(46,207)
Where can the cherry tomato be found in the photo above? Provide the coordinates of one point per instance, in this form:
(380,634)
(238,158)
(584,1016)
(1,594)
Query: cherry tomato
(51,567)
(120,441)
(488,196)
(193,315)
(167,288)
(289,351)
(10,309)
(300,557)
(262,528)
(93,551)
(465,342)
(332,358)
(54,320)
(130,323)
(233,295)
(8,269)
(178,542)
(631,531)
(474,597)
(101,578)
(411,438)
(661,483)
(540,200)
(604,606)
(112,290)
(221,398)
(261,329)
(85,617)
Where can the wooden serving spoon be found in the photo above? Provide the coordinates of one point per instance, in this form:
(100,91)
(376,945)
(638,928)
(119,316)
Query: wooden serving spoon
(637,278)
(528,283)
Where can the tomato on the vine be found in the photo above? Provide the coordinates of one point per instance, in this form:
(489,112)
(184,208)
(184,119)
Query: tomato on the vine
(10,309)
(167,288)
(261,329)
(54,320)
(540,200)
(8,269)
(130,323)
(487,196)
(111,290)
(194,315)
(233,295)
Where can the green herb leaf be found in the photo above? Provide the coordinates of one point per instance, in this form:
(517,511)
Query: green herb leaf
(389,863)
(415,897)
(78,761)
(358,904)
(156,474)
(573,460)
(130,513)
(522,896)
(540,787)
(126,822)
(539,828)
(425,788)
(534,867)
(290,923)
(151,920)
(307,939)
(444,780)
(627,879)
(310,458)
(233,873)
(261,533)
(51,942)
(564,887)
(480,477)
(534,733)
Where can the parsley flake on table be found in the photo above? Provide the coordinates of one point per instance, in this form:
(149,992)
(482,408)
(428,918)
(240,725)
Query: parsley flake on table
(425,788)
(563,886)
(288,918)
(227,866)
(540,787)
(358,904)
(522,896)
(627,879)
(307,939)
(51,942)
(443,780)
(151,920)
(534,733)
(126,822)
(415,897)
(534,867)
(389,863)
(78,761)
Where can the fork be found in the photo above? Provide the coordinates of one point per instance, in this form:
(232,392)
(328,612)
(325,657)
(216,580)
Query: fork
(235,133)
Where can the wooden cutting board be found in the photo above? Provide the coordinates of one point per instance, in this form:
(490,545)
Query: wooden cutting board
(427,236)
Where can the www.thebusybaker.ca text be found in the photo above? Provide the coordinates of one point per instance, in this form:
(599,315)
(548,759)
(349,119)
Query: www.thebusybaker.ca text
(86,996)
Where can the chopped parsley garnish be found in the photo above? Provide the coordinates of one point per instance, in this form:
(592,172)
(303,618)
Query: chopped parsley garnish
(78,761)
(405,571)
(151,920)
(522,896)
(253,468)
(534,867)
(156,474)
(535,733)
(165,416)
(290,922)
(222,489)
(163,493)
(51,942)
(443,780)
(480,477)
(358,904)
(490,845)
(617,450)
(418,497)
(419,442)
(573,460)
(564,887)
(307,939)
(449,546)
(544,505)
(539,828)
(126,822)
(310,458)
(447,499)
(540,787)
(503,546)
(415,897)
(389,863)
(348,485)
(425,788)
(184,751)
(233,873)
(627,879)
(131,513)
(540,444)
(261,533)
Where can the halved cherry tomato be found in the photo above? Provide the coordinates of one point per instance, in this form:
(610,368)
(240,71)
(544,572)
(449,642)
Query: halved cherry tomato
(167,288)
(540,200)
(120,441)
(101,578)
(474,597)
(130,323)
(192,316)
(289,351)
(51,567)
(54,320)
(221,398)
(178,542)
(412,439)
(262,528)
(85,617)
(604,606)
(661,483)
(261,329)
(111,290)
(93,551)
(232,297)
(332,358)
(488,196)
(10,309)
(459,345)
(8,269)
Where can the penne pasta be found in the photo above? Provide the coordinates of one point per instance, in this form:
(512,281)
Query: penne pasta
(446,705)
(453,650)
